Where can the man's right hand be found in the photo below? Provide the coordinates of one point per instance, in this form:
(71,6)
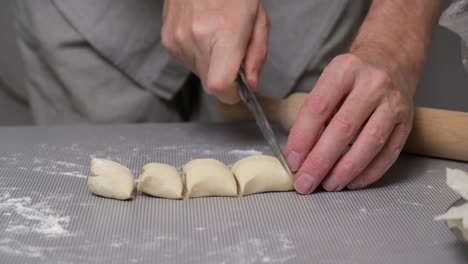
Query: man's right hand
(213,38)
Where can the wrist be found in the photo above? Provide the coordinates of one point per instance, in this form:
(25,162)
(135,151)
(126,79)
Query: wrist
(403,65)
(397,35)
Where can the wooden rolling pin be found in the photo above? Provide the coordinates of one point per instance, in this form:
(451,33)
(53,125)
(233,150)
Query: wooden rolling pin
(436,133)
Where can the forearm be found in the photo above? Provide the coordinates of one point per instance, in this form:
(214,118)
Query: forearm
(399,33)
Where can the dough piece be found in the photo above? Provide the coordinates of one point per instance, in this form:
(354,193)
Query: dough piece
(160,180)
(208,177)
(110,179)
(457,217)
(455,213)
(260,173)
(457,180)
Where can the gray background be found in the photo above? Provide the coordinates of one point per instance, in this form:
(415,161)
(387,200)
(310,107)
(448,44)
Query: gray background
(444,83)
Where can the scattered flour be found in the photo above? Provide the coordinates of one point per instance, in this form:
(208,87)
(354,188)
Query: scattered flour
(257,251)
(169,148)
(66,164)
(52,171)
(35,218)
(16,248)
(410,203)
(119,244)
(54,167)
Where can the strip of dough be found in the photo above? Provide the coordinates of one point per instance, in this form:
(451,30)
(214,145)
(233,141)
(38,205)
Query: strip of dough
(111,179)
(260,173)
(208,177)
(160,180)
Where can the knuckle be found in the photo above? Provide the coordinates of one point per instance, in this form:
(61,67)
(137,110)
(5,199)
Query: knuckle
(297,136)
(377,135)
(395,151)
(347,60)
(399,105)
(398,98)
(381,78)
(199,31)
(317,105)
(348,167)
(344,126)
(178,36)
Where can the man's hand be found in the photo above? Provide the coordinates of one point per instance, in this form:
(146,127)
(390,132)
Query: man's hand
(363,94)
(371,88)
(213,38)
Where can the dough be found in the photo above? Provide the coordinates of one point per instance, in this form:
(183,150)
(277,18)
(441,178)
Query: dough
(457,216)
(160,180)
(208,177)
(457,180)
(260,173)
(111,180)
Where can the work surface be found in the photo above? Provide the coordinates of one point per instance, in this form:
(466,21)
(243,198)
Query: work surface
(47,214)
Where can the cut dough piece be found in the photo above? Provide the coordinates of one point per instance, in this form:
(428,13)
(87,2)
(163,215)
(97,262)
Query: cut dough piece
(456,216)
(111,179)
(160,180)
(260,173)
(455,213)
(208,177)
(457,180)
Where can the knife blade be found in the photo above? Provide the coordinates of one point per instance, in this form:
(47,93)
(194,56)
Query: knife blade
(249,98)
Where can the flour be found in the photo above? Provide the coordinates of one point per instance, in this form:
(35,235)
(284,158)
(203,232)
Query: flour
(16,248)
(66,164)
(54,167)
(278,249)
(34,218)
(410,203)
(119,244)
(52,171)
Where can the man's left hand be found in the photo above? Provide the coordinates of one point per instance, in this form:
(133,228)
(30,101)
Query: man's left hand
(354,92)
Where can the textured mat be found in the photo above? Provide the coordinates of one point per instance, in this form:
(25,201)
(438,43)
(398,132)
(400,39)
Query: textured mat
(47,214)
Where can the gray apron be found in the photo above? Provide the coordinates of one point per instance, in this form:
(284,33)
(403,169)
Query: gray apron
(102,60)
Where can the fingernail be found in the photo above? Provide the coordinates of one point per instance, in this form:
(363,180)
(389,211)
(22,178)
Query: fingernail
(354,185)
(294,160)
(331,184)
(304,184)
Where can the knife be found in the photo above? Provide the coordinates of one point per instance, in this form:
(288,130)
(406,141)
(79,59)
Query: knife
(248,97)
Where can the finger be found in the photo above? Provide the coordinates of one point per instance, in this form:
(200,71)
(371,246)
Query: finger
(384,160)
(334,84)
(333,141)
(368,144)
(226,57)
(257,49)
